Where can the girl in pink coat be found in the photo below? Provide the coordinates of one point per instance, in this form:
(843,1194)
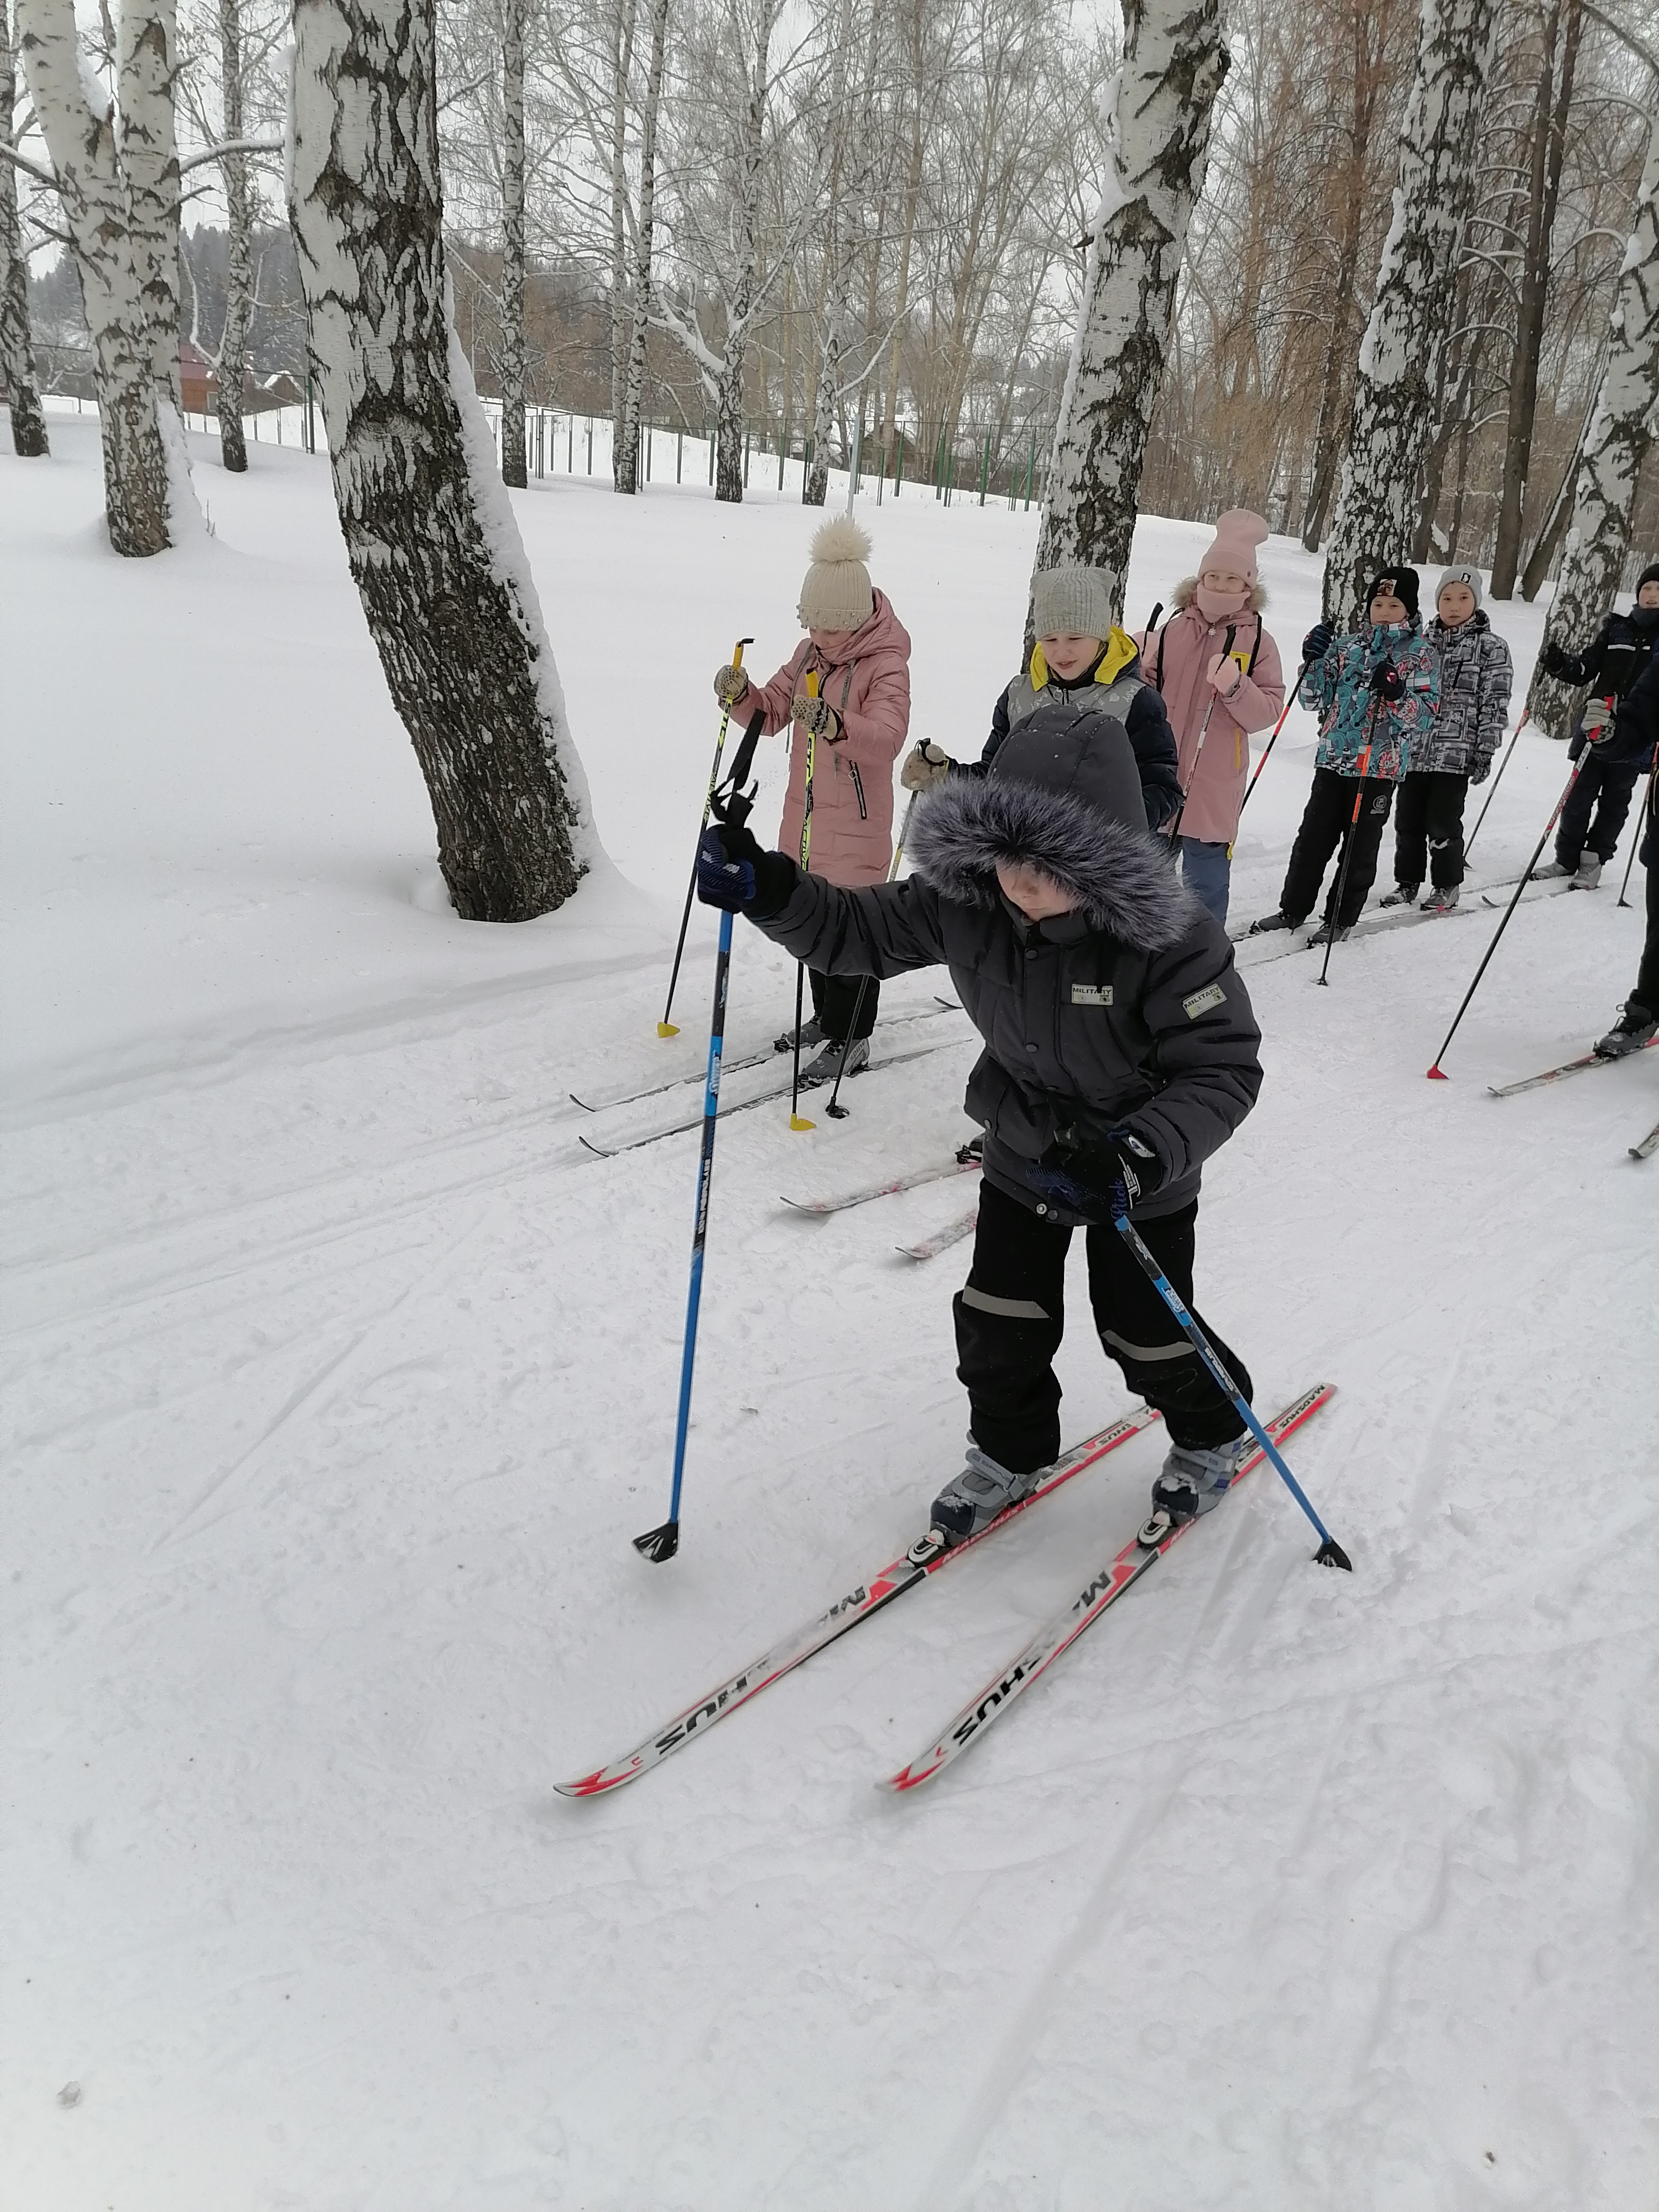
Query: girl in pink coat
(853,720)
(1215,698)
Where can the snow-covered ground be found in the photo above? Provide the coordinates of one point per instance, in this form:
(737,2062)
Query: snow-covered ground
(339,1377)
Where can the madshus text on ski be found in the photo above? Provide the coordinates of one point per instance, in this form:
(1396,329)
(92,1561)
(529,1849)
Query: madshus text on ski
(1074,881)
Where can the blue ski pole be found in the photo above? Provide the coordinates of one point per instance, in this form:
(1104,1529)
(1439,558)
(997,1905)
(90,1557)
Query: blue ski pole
(659,1544)
(1330,1553)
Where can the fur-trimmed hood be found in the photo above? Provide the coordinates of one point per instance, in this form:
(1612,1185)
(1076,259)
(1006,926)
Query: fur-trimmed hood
(961,830)
(1181,598)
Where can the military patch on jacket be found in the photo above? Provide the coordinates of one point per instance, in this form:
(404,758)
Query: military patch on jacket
(1092,994)
(1201,1001)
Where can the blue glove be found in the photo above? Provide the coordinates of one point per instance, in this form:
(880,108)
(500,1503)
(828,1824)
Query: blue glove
(735,872)
(1317,642)
(1387,682)
(1101,1182)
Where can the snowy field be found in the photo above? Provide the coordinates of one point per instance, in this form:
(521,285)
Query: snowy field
(339,1377)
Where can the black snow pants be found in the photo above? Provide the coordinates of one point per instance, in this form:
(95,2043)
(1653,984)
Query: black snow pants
(1325,827)
(833,998)
(1010,1315)
(1431,816)
(1646,993)
(1604,792)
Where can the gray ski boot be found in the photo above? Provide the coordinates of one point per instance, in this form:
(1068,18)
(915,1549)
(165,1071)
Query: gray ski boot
(1401,894)
(1589,872)
(1193,1481)
(983,1489)
(1440,902)
(827,1065)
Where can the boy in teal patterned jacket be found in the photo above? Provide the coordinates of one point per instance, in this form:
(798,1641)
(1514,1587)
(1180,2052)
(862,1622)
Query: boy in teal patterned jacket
(1378,690)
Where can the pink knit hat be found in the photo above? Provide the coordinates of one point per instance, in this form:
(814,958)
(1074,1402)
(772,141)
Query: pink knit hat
(1237,534)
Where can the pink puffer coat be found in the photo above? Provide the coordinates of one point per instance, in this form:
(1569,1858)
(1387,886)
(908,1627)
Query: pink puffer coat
(869,687)
(1176,658)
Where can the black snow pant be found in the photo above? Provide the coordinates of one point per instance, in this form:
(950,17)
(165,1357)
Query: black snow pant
(1010,1315)
(1646,993)
(1324,831)
(1429,816)
(1604,792)
(833,998)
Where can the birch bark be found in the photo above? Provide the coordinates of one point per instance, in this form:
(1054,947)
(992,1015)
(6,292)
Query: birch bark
(1621,429)
(28,420)
(1156,112)
(1548,154)
(81,144)
(621,60)
(1391,423)
(146,69)
(513,278)
(433,549)
(625,472)
(239,271)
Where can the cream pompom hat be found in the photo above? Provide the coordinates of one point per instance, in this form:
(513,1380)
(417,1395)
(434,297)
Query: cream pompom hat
(837,592)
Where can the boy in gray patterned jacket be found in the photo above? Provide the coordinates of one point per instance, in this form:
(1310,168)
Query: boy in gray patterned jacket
(1476,675)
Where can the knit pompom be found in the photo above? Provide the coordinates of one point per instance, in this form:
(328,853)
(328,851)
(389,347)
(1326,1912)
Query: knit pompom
(841,538)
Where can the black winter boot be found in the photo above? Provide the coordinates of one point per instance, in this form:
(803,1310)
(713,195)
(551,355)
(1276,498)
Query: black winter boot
(1634,1028)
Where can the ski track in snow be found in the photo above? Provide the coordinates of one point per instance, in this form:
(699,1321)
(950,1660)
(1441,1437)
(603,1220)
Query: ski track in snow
(338,1376)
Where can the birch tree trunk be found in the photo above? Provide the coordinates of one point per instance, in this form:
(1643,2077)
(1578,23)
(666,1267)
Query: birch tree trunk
(728,391)
(625,469)
(837,278)
(28,420)
(621,324)
(239,270)
(1549,152)
(433,549)
(82,148)
(513,452)
(1392,422)
(147,66)
(1156,112)
(1620,431)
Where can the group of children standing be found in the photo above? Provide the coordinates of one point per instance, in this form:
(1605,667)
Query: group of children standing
(1120,1050)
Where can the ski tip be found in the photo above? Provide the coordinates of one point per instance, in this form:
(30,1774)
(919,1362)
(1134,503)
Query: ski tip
(799,1122)
(1437,1074)
(599,1151)
(658,1543)
(1331,1554)
(668,1028)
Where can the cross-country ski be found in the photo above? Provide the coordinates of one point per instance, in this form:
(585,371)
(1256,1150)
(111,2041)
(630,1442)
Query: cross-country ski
(964,1163)
(1121,1574)
(929,1248)
(907,1572)
(1648,1146)
(1582,1066)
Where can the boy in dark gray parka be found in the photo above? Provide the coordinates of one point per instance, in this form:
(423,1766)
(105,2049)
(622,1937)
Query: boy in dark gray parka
(1121,1052)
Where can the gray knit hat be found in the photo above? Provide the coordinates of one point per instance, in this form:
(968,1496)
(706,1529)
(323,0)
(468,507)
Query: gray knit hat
(1072,601)
(836,594)
(1458,576)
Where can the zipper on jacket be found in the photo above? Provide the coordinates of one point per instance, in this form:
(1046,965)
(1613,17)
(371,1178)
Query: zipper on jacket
(857,786)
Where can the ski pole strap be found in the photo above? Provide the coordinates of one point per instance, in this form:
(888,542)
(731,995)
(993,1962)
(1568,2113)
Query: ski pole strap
(1330,1553)
(731,797)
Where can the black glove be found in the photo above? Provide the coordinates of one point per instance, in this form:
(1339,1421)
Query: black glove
(1563,666)
(1317,642)
(735,871)
(1482,769)
(1387,682)
(1101,1181)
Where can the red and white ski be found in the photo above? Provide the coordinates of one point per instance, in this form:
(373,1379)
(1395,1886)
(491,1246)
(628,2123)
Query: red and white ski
(1102,1591)
(928,1247)
(964,1163)
(910,1568)
(1558,1074)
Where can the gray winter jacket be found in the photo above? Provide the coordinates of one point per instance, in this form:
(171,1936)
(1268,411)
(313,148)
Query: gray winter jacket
(1126,1013)
(1476,675)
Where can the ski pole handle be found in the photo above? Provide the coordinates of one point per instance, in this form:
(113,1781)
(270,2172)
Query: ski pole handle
(666,1028)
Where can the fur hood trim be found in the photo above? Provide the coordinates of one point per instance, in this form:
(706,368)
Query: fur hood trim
(1181,598)
(963,827)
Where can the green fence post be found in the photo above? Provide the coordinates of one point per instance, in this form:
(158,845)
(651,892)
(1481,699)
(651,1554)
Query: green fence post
(1031,463)
(985,468)
(898,466)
